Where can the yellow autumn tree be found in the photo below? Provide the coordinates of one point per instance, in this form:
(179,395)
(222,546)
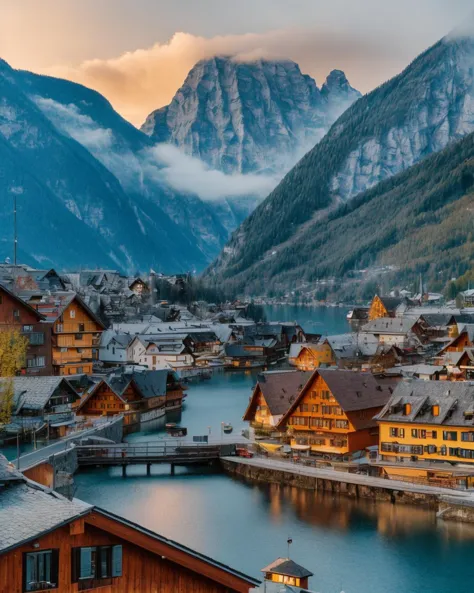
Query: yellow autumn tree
(13,348)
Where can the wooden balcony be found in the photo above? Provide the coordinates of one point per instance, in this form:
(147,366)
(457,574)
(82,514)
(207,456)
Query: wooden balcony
(70,327)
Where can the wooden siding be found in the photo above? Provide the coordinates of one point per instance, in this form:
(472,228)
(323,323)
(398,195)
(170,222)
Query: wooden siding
(377,309)
(143,570)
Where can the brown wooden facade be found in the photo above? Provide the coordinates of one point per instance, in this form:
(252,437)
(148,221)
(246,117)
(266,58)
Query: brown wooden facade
(318,420)
(149,563)
(17,315)
(76,335)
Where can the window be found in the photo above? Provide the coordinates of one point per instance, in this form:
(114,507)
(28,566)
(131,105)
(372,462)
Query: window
(37,361)
(81,327)
(79,370)
(467,436)
(72,313)
(450,435)
(36,338)
(78,336)
(315,408)
(40,570)
(63,350)
(342,424)
(96,566)
(16,313)
(397,432)
(27,328)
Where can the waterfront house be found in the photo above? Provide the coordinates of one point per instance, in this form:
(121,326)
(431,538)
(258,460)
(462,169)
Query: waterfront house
(428,420)
(333,414)
(140,396)
(242,356)
(48,542)
(37,400)
(313,356)
(382,306)
(272,396)
(17,315)
(160,352)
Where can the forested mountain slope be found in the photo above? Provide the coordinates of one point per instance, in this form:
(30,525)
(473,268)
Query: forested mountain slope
(419,221)
(415,114)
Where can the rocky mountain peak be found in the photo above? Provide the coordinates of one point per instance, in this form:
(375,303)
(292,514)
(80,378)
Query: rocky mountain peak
(248,116)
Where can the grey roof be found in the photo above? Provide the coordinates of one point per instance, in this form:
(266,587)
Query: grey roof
(8,473)
(453,398)
(28,510)
(153,383)
(239,351)
(33,393)
(287,567)
(390,325)
(391,303)
(420,369)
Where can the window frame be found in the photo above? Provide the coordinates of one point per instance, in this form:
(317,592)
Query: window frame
(53,568)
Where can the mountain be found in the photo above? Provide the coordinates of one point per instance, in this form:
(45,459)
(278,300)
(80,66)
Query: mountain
(417,113)
(97,184)
(242,117)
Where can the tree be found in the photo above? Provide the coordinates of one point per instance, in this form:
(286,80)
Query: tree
(13,348)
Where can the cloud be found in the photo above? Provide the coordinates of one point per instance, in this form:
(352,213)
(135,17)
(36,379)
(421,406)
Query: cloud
(190,175)
(140,81)
(162,164)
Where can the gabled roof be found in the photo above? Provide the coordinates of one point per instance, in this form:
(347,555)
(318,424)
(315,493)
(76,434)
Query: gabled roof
(28,510)
(391,303)
(390,325)
(353,390)
(21,302)
(279,389)
(34,393)
(287,567)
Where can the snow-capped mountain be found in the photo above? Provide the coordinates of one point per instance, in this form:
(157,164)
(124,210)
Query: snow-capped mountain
(241,117)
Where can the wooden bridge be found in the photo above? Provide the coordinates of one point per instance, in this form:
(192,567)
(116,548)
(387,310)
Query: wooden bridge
(150,453)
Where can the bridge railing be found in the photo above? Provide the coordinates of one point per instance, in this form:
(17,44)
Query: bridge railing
(146,451)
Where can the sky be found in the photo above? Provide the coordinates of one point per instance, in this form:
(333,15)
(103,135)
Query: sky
(138,52)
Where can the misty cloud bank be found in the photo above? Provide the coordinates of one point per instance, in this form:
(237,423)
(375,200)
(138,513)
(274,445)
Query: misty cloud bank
(162,164)
(143,80)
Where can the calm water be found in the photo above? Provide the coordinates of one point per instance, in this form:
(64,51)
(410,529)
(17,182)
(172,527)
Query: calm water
(355,547)
(316,320)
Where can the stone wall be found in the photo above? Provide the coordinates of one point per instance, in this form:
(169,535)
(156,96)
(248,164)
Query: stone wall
(375,493)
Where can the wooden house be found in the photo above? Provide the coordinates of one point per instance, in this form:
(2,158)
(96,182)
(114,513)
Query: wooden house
(333,414)
(37,400)
(48,542)
(464,339)
(284,571)
(382,306)
(75,331)
(313,356)
(272,396)
(16,314)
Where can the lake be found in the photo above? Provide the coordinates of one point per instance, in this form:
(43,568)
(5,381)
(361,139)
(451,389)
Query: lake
(315,320)
(351,546)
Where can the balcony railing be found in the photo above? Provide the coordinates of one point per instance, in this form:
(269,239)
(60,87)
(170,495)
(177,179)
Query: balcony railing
(76,327)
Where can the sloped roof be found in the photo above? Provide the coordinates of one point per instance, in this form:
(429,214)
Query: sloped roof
(389,325)
(353,390)
(28,511)
(357,390)
(22,302)
(287,567)
(33,393)
(279,389)
(453,398)
(8,473)
(391,303)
